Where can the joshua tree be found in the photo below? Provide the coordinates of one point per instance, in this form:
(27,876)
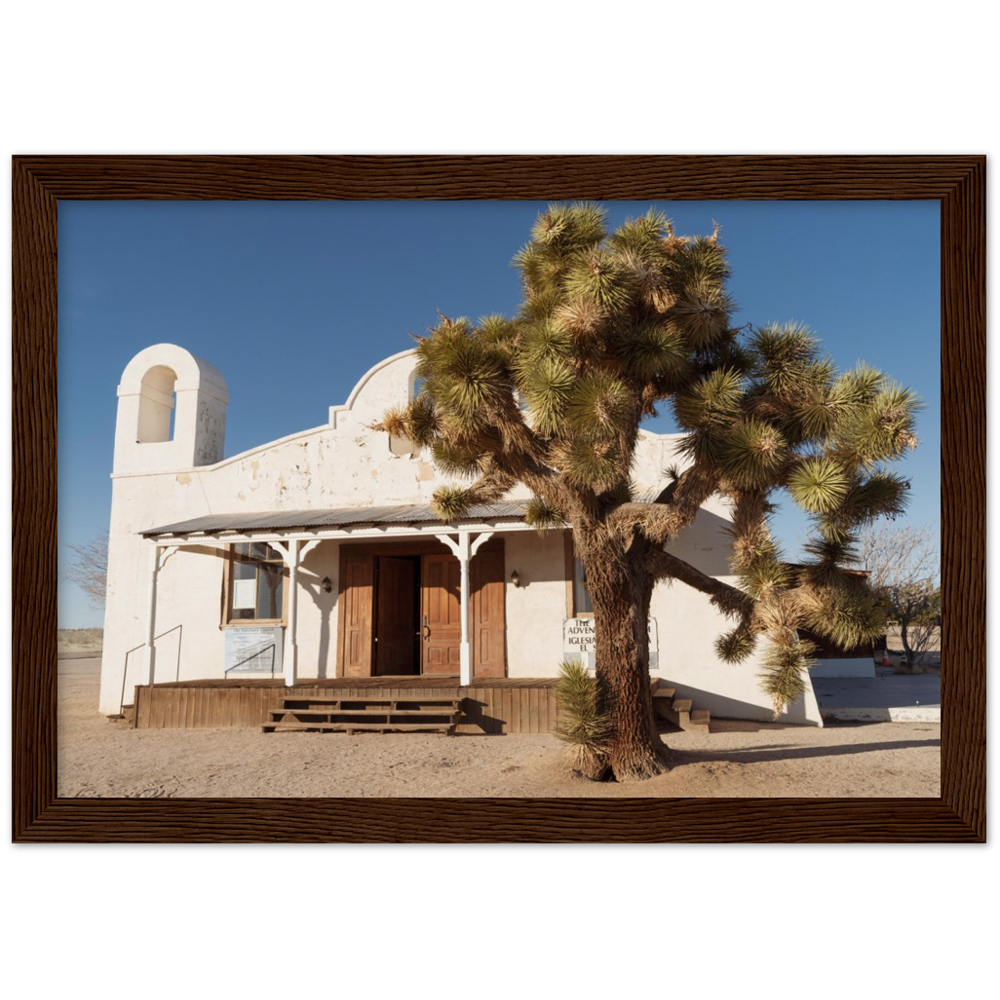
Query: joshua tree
(612,326)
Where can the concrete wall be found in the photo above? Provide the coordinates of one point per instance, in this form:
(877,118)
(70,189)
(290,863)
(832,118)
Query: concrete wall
(862,666)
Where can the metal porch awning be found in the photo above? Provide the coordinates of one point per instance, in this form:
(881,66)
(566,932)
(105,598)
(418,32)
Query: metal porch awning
(334,521)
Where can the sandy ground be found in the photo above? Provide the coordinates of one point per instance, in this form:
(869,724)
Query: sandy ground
(101,758)
(79,642)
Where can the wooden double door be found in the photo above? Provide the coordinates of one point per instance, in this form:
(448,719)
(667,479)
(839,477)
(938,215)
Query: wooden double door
(400,611)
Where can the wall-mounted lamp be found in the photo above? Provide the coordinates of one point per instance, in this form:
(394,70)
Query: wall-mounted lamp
(327,586)
(515,578)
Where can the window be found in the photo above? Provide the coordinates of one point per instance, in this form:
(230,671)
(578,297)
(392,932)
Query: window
(256,578)
(403,447)
(578,602)
(582,604)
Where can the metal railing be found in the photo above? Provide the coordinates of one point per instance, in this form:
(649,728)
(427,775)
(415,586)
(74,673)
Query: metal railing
(253,656)
(142,645)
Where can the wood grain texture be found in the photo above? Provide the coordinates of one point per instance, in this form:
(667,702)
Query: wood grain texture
(492,705)
(957,182)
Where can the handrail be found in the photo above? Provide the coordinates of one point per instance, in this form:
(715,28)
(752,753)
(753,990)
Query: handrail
(121,705)
(260,652)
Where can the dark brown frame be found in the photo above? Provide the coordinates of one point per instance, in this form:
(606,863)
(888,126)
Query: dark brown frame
(958,182)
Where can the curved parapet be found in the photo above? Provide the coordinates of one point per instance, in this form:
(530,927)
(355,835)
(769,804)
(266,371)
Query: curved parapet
(389,383)
(171,412)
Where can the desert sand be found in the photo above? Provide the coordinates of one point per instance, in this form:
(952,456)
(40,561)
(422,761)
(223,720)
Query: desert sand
(102,758)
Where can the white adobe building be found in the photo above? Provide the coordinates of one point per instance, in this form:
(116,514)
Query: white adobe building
(317,556)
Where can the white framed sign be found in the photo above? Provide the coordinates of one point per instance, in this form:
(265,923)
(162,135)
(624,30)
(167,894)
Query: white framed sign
(254,651)
(580,642)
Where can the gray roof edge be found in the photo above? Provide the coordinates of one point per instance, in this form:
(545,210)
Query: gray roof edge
(336,517)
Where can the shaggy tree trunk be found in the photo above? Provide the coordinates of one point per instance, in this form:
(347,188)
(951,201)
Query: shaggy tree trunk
(621,602)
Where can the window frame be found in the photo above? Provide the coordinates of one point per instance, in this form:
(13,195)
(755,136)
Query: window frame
(570,574)
(400,446)
(229,578)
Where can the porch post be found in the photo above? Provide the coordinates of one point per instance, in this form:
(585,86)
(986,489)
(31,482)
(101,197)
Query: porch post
(291,640)
(464,649)
(464,551)
(154,566)
(292,555)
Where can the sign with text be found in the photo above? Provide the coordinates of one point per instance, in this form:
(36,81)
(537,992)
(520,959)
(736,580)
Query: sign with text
(254,651)
(244,594)
(580,642)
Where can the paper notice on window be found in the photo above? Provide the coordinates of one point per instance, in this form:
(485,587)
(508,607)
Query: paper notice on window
(244,594)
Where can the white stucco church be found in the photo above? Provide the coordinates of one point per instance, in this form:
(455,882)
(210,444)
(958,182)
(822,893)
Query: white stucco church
(317,556)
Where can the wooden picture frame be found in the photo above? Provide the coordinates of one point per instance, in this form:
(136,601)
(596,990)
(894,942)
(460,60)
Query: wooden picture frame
(958,182)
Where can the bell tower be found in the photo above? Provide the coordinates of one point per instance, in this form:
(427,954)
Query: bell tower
(171,412)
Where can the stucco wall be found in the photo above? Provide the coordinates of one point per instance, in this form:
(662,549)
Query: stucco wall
(317,611)
(188,593)
(535,609)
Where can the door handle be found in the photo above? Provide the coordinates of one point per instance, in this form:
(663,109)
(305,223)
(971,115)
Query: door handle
(427,632)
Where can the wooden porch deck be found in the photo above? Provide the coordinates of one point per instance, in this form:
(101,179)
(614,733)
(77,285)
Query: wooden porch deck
(494,706)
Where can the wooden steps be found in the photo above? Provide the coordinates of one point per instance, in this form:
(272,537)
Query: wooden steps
(413,714)
(679,711)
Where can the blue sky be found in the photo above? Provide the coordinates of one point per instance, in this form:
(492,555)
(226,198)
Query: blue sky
(294,301)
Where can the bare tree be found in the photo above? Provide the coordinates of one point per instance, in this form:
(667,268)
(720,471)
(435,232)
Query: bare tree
(89,569)
(903,564)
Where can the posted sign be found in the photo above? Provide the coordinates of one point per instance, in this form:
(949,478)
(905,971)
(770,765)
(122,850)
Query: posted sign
(254,651)
(580,642)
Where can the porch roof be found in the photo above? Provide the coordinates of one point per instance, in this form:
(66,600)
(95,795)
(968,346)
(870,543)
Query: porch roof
(336,519)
